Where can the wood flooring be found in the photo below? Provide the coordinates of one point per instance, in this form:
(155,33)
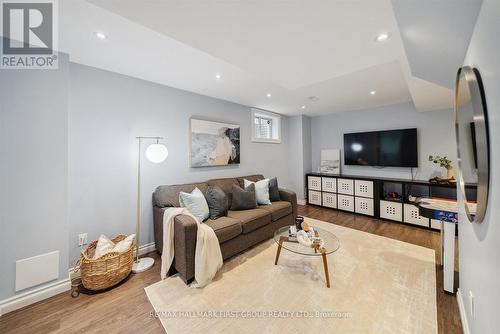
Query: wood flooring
(126,309)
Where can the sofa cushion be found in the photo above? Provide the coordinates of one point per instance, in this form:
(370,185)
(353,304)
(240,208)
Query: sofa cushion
(274,193)
(244,199)
(278,209)
(225,228)
(251,219)
(253,178)
(196,203)
(261,190)
(217,202)
(226,185)
(165,196)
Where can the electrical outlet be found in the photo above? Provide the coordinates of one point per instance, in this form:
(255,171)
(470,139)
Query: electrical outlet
(82,239)
(471,304)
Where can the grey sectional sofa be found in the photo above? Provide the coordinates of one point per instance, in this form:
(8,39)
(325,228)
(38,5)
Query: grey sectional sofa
(236,232)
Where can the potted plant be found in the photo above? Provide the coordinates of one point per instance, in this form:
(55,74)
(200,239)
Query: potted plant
(445,163)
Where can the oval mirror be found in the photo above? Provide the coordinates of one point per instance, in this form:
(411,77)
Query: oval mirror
(471,130)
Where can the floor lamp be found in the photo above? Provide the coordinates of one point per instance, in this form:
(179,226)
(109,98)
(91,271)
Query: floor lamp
(155,153)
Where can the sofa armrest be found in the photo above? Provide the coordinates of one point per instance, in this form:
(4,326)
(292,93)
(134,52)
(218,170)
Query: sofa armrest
(185,231)
(158,227)
(289,196)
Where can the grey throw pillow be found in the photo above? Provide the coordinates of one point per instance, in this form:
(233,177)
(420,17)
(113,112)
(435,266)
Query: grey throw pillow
(244,199)
(217,202)
(274,193)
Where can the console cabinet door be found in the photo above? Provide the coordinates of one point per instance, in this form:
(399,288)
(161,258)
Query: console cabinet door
(363,188)
(364,206)
(330,200)
(314,183)
(436,224)
(329,184)
(412,216)
(314,197)
(345,186)
(345,202)
(391,210)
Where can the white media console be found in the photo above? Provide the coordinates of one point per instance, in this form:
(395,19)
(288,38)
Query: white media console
(383,198)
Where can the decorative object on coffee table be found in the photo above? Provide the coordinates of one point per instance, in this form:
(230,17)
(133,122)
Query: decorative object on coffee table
(155,153)
(445,163)
(330,243)
(298,222)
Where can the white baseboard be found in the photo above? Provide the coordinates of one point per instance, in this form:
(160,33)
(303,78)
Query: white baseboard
(463,313)
(30,297)
(147,248)
(301,201)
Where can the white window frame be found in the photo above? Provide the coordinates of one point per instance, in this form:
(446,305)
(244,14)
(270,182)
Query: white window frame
(275,126)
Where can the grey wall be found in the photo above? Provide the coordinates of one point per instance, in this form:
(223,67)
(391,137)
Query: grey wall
(107,112)
(479,245)
(435,136)
(306,145)
(33,168)
(299,151)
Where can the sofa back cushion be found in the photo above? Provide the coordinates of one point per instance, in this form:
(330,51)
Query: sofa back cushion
(217,202)
(196,203)
(261,191)
(226,185)
(274,192)
(244,199)
(165,196)
(253,178)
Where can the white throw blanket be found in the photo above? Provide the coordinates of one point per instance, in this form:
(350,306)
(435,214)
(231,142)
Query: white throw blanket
(208,257)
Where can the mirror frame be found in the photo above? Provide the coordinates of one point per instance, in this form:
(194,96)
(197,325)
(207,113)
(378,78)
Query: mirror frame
(478,101)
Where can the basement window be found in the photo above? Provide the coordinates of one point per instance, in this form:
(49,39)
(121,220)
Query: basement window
(266,127)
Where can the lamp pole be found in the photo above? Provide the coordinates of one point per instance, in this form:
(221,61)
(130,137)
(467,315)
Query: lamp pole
(144,263)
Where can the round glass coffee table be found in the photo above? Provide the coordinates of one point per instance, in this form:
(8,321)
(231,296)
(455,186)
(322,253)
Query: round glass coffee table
(330,244)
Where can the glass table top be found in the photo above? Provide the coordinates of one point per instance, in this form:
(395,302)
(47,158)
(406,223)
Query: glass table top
(330,242)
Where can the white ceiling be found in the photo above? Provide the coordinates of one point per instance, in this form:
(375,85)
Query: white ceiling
(436,36)
(292,49)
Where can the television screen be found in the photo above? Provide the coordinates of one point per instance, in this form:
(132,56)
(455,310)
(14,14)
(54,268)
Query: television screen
(391,148)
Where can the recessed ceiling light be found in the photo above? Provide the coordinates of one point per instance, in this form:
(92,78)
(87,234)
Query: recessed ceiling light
(313,98)
(100,35)
(218,76)
(373,92)
(268,94)
(383,36)
(303,107)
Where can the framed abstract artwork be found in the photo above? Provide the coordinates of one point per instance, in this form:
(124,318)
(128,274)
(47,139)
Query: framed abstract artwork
(214,143)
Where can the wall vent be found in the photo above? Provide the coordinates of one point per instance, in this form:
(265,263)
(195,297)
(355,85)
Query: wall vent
(37,270)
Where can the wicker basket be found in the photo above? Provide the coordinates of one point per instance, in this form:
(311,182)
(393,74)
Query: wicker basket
(107,270)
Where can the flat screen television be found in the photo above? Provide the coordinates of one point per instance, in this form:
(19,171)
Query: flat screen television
(390,148)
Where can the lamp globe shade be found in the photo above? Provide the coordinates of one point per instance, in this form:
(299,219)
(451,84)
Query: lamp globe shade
(156,153)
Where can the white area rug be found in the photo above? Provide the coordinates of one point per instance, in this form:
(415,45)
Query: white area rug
(379,285)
